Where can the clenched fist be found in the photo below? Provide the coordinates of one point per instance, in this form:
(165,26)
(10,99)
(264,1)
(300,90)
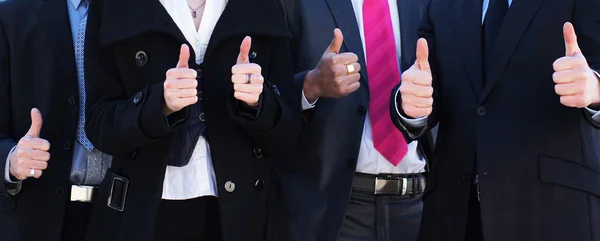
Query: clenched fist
(416,89)
(180,86)
(336,75)
(576,84)
(31,155)
(247,77)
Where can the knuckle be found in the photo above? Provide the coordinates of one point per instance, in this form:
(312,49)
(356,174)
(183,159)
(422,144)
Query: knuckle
(556,76)
(21,153)
(556,64)
(171,72)
(429,102)
(429,91)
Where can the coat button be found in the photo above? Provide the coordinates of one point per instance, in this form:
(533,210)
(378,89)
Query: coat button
(258,153)
(141,58)
(276,90)
(200,95)
(201,117)
(481,111)
(68,145)
(229,186)
(138,98)
(60,191)
(361,111)
(72,101)
(259,185)
(252,55)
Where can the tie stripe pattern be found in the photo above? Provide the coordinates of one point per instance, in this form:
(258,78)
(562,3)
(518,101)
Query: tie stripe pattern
(79,61)
(384,73)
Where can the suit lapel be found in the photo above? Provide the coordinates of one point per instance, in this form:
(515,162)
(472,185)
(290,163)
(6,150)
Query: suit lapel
(467,29)
(517,19)
(54,17)
(343,14)
(410,14)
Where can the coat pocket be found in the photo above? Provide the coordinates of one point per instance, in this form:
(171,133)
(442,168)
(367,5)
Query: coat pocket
(569,174)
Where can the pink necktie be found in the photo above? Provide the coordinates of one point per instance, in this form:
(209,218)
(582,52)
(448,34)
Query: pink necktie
(384,74)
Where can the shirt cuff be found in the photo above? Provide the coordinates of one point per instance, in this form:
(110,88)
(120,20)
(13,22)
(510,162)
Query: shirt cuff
(7,178)
(595,114)
(417,123)
(306,105)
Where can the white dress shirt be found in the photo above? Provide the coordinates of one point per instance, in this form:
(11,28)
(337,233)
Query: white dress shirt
(422,122)
(198,177)
(369,159)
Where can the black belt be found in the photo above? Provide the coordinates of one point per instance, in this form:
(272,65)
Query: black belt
(390,184)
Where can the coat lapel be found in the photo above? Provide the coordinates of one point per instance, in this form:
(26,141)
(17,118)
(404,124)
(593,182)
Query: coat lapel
(268,19)
(517,20)
(467,29)
(54,17)
(125,19)
(343,14)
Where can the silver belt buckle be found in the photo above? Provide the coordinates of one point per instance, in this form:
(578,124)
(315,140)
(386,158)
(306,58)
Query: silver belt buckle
(393,186)
(82,193)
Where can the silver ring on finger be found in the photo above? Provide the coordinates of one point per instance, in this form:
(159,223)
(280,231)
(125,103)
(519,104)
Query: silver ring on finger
(32,173)
(249,79)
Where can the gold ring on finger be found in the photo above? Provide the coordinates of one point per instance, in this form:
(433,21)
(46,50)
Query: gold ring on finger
(350,69)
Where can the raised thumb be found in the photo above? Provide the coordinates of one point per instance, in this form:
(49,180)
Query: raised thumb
(184,57)
(571,46)
(336,43)
(422,54)
(243,57)
(36,123)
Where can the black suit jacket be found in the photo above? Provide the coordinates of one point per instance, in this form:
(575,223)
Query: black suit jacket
(125,114)
(37,69)
(318,185)
(538,161)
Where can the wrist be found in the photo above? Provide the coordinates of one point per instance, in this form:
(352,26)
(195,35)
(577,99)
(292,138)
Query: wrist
(167,111)
(310,91)
(252,105)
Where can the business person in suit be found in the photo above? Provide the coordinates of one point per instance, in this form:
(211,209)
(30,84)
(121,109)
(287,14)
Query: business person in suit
(215,125)
(355,177)
(515,88)
(51,170)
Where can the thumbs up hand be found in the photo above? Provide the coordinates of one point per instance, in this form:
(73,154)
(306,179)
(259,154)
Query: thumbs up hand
(247,77)
(416,89)
(180,86)
(577,85)
(336,75)
(31,155)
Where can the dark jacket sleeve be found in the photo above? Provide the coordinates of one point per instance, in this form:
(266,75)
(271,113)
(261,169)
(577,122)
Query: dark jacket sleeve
(118,122)
(6,142)
(586,21)
(279,121)
(425,31)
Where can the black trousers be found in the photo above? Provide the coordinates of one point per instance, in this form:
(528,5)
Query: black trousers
(77,217)
(474,230)
(372,217)
(188,220)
